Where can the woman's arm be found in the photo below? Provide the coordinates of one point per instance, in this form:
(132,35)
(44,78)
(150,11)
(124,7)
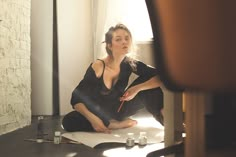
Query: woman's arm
(153,82)
(131,92)
(95,121)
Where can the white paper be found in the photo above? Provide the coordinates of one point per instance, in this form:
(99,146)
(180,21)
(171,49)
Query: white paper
(146,123)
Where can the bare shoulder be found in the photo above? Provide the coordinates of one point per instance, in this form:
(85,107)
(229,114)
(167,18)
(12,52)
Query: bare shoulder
(98,67)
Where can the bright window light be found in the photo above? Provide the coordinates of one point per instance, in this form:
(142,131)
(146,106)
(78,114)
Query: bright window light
(134,14)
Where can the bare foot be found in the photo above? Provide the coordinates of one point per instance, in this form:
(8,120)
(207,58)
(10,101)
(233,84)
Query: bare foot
(122,124)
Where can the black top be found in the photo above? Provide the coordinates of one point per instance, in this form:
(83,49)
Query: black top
(93,92)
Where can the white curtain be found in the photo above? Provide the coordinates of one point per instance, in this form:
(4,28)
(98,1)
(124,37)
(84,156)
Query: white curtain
(99,20)
(132,13)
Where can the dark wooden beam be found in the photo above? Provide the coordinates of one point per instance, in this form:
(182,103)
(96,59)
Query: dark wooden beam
(56,107)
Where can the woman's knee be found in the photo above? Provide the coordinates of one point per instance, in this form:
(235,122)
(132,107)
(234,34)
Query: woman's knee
(153,100)
(74,121)
(152,95)
(68,122)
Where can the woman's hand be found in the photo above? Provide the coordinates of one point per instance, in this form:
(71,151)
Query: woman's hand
(95,121)
(99,126)
(130,93)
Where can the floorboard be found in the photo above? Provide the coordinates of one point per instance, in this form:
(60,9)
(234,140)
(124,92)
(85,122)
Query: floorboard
(16,144)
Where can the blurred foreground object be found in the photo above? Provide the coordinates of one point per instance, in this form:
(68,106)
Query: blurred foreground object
(195,50)
(196,42)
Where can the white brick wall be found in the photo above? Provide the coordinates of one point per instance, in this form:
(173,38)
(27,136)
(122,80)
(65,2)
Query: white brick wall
(15,75)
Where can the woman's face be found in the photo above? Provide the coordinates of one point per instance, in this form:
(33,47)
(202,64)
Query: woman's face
(121,42)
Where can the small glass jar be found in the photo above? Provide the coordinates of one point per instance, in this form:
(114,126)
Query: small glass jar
(57,137)
(142,138)
(40,130)
(130,140)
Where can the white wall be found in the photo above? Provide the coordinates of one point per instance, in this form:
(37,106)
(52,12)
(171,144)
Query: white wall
(75,51)
(145,52)
(15,79)
(75,46)
(41,57)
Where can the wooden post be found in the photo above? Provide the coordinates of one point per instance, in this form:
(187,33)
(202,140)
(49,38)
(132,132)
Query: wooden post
(173,117)
(195,123)
(56,109)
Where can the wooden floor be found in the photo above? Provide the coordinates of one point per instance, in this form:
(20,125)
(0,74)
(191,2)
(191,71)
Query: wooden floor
(16,144)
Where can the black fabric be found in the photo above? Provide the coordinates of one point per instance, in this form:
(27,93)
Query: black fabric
(74,121)
(151,99)
(93,86)
(104,102)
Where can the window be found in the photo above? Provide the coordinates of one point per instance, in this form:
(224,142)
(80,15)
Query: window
(132,13)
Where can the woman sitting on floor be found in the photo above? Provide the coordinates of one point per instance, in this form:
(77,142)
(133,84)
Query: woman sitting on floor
(97,98)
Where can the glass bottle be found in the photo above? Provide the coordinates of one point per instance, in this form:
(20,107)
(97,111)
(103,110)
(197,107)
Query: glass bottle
(40,129)
(57,137)
(142,138)
(130,140)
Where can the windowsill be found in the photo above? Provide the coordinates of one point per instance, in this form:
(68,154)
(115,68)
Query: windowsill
(146,41)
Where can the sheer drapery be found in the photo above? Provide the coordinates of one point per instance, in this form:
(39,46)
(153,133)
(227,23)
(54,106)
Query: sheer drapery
(132,13)
(99,8)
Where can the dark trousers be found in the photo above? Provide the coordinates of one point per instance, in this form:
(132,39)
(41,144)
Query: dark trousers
(151,99)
